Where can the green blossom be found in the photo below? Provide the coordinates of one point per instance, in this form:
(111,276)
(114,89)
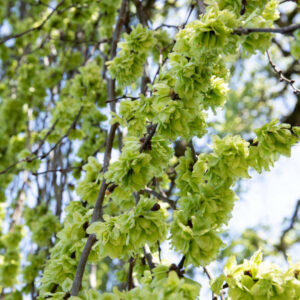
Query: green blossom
(129,232)
(133,169)
(127,67)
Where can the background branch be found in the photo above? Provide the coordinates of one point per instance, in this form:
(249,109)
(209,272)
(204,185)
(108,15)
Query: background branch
(281,76)
(282,30)
(39,27)
(201,6)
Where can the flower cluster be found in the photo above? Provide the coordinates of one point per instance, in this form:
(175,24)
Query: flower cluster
(255,279)
(128,233)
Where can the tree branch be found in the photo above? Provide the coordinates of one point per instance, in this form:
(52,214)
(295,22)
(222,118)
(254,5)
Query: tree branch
(113,51)
(201,6)
(181,263)
(30,159)
(210,277)
(151,132)
(149,257)
(19,204)
(281,76)
(282,30)
(282,245)
(65,135)
(130,284)
(160,197)
(188,16)
(45,137)
(284,1)
(97,213)
(66,170)
(243,9)
(39,27)
(122,97)
(82,263)
(140,12)
(166,25)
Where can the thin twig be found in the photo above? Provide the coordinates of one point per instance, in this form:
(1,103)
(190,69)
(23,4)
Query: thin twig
(283,30)
(30,159)
(284,52)
(122,97)
(45,137)
(210,277)
(78,42)
(282,245)
(281,76)
(284,1)
(160,197)
(65,135)
(162,62)
(39,27)
(188,16)
(69,169)
(11,166)
(56,170)
(167,25)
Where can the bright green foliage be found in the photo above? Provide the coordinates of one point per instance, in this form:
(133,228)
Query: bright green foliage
(127,233)
(193,239)
(172,114)
(257,14)
(217,93)
(31,271)
(272,141)
(133,115)
(66,253)
(166,285)
(88,188)
(228,161)
(108,10)
(255,279)
(205,187)
(10,261)
(170,287)
(42,224)
(83,92)
(14,296)
(133,170)
(32,166)
(129,64)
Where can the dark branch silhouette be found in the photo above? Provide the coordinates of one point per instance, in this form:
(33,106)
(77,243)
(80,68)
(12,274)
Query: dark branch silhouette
(282,30)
